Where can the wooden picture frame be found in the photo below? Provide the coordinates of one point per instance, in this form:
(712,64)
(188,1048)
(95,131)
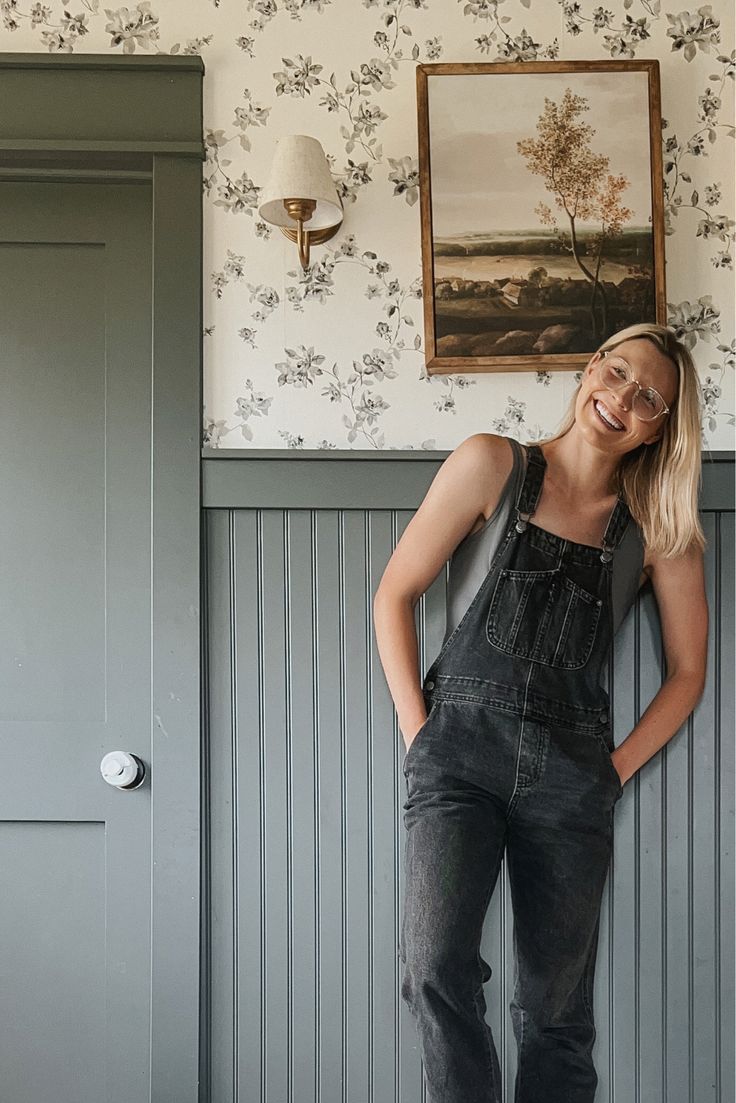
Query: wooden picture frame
(489,290)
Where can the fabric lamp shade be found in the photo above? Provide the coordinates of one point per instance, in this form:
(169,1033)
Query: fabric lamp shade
(300,171)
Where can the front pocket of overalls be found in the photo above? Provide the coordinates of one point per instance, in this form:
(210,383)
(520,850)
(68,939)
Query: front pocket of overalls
(418,735)
(610,765)
(543,616)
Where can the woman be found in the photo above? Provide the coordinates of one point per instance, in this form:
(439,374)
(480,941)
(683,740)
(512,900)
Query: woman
(516,752)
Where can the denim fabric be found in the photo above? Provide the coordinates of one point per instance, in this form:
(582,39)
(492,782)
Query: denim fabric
(514,758)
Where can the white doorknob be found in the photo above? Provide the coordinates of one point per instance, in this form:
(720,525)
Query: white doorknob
(123,770)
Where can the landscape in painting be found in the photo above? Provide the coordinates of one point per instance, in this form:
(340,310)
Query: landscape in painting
(542,237)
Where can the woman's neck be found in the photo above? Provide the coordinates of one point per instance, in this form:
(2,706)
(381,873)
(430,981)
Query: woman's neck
(578,470)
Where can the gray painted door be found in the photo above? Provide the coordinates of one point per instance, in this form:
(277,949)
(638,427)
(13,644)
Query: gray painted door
(77,639)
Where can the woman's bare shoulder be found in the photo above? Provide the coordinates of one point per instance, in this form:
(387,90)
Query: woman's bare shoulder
(671,566)
(487,454)
(471,476)
(487,460)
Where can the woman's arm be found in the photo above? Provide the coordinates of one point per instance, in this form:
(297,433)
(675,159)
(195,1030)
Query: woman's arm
(679,587)
(469,481)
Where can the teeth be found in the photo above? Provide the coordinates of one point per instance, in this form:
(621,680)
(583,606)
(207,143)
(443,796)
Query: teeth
(607,416)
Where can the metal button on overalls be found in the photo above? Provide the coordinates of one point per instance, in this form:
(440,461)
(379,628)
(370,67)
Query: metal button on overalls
(514,759)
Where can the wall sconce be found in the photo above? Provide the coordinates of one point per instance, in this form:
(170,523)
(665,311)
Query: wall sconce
(300,189)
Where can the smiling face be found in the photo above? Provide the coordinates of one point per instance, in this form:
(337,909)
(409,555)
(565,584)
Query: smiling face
(652,369)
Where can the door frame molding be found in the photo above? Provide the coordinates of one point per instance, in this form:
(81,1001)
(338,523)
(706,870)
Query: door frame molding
(111,119)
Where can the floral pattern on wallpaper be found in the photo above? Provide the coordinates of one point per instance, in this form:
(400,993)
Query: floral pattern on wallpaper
(333,357)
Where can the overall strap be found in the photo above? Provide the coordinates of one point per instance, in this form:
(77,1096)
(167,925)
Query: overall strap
(528,496)
(615,529)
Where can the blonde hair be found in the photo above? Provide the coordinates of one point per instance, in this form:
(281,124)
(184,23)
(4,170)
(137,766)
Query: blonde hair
(661,481)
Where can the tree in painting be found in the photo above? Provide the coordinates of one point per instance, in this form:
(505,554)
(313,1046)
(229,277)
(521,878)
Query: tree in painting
(582,187)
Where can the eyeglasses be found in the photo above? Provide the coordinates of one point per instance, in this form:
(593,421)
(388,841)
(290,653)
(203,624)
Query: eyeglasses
(615,373)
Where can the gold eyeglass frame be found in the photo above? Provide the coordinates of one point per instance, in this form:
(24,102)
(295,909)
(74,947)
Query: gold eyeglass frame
(603,354)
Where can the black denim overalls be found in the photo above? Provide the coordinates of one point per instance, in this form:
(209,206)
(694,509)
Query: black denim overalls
(514,755)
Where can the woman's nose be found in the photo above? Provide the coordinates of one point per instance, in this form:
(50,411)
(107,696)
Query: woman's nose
(625,395)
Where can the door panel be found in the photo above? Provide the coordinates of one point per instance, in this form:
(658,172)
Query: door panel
(76,641)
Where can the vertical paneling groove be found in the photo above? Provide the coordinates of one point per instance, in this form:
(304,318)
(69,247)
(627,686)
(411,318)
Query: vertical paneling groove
(344,1071)
(206,935)
(370,827)
(316,712)
(717,614)
(289,810)
(235,743)
(727,725)
(303,959)
(219,1078)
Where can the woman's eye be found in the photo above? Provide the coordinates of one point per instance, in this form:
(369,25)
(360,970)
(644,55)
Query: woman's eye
(620,372)
(650,398)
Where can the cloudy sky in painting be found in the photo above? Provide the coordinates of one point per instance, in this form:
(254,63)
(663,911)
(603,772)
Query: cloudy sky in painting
(480,182)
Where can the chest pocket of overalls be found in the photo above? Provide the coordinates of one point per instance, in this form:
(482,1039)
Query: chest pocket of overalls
(543,616)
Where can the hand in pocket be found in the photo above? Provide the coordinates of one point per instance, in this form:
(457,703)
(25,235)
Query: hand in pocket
(408,743)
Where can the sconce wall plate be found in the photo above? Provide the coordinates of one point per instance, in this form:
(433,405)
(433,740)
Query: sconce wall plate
(315,237)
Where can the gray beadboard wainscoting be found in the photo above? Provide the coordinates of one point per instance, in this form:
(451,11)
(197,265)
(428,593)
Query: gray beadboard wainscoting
(303,833)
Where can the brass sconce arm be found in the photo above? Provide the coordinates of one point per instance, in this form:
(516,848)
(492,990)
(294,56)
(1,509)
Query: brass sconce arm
(301,211)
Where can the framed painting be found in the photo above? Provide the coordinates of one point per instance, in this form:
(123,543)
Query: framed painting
(541,210)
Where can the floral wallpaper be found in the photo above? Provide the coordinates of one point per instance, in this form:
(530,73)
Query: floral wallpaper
(333,358)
